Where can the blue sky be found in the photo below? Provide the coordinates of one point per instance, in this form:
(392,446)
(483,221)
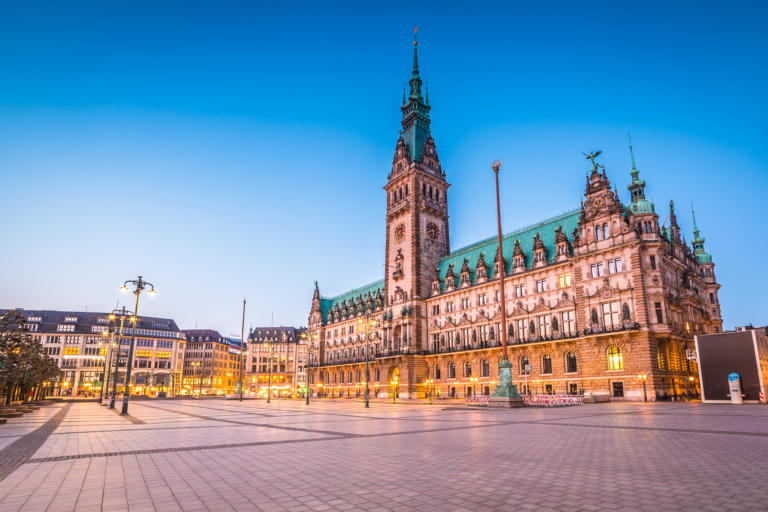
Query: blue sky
(227,150)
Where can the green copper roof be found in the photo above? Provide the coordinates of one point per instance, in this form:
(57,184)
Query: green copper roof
(639,206)
(327,303)
(546,229)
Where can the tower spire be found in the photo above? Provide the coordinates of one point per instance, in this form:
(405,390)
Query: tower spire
(637,186)
(635,173)
(415,121)
(701,255)
(415,78)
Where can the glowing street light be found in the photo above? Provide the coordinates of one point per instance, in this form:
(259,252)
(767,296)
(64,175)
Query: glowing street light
(643,377)
(139,285)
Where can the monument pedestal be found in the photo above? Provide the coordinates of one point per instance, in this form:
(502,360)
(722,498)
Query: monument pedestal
(505,395)
(500,402)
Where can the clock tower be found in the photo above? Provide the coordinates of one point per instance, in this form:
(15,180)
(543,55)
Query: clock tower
(417,220)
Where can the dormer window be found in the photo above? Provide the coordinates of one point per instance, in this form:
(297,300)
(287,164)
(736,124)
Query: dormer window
(70,319)
(34,319)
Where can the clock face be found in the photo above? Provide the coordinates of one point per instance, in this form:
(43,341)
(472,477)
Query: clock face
(400,232)
(432,230)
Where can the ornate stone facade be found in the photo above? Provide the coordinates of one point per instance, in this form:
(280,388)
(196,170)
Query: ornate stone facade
(596,297)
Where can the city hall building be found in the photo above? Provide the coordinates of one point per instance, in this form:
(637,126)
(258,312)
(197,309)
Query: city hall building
(602,300)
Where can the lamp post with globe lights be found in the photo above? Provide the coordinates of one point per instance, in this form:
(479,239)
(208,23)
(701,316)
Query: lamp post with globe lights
(122,314)
(310,337)
(366,326)
(138,285)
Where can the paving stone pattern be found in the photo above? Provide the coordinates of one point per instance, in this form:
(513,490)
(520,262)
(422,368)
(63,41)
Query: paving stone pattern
(336,455)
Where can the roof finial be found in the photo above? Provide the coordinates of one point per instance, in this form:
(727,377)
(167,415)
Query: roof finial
(631,152)
(427,98)
(693,214)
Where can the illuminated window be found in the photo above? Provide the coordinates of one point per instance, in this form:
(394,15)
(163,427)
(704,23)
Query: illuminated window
(164,355)
(564,280)
(71,351)
(143,353)
(615,359)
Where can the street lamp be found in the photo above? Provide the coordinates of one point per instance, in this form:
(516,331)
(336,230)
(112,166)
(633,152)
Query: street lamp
(243,356)
(310,337)
(473,380)
(122,314)
(139,286)
(429,383)
(268,345)
(394,387)
(366,326)
(197,373)
(105,376)
(643,377)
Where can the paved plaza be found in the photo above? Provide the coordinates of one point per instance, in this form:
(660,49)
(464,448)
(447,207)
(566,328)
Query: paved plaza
(335,455)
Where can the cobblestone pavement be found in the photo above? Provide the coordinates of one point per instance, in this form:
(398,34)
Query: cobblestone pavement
(335,455)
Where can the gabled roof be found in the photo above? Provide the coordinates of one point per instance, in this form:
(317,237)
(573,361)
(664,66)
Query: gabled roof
(274,334)
(546,229)
(327,303)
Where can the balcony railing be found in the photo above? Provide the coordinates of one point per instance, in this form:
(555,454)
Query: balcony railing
(481,345)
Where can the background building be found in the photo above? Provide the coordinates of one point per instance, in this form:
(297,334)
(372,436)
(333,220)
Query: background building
(75,340)
(212,363)
(603,300)
(744,352)
(287,352)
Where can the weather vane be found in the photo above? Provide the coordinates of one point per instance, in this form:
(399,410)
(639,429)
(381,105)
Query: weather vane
(415,35)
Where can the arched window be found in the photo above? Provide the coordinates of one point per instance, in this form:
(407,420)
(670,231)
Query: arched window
(485,368)
(350,377)
(546,364)
(570,362)
(615,359)
(491,334)
(437,372)
(357,375)
(468,369)
(341,378)
(452,371)
(523,365)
